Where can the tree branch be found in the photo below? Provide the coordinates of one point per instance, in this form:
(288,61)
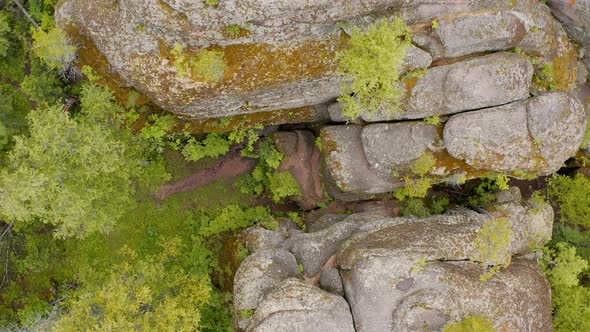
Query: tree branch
(22,9)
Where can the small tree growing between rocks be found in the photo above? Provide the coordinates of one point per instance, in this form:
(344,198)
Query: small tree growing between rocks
(372,68)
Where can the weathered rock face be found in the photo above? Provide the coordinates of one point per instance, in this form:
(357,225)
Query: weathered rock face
(282,55)
(402,274)
(534,136)
(298,306)
(257,275)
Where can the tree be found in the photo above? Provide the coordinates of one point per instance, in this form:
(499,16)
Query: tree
(54,48)
(74,174)
(372,66)
(141,295)
(4,30)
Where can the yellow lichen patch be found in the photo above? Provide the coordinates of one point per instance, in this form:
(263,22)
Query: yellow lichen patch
(453,165)
(565,69)
(254,66)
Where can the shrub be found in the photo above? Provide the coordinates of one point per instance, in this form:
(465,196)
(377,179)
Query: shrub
(493,246)
(53,48)
(414,188)
(213,146)
(432,120)
(424,164)
(572,195)
(570,300)
(265,178)
(372,66)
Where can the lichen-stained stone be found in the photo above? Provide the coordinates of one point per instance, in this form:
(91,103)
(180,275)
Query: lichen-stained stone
(257,275)
(479,32)
(390,146)
(345,160)
(480,82)
(536,135)
(295,306)
(404,273)
(281,55)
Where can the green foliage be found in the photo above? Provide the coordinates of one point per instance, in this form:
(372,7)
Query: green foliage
(571,301)
(418,207)
(414,188)
(297,220)
(207,66)
(213,146)
(434,24)
(493,246)
(4,34)
(545,77)
(471,323)
(432,120)
(233,218)
(373,63)
(282,184)
(265,178)
(415,207)
(53,48)
(156,132)
(212,2)
(74,175)
(572,194)
(233,30)
(141,295)
(41,86)
(485,192)
(424,164)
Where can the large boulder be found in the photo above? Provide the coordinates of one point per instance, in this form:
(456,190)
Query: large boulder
(401,274)
(532,136)
(297,306)
(257,275)
(313,250)
(536,135)
(406,274)
(281,55)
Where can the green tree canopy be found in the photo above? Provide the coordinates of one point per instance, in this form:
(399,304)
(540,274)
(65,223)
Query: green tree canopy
(53,48)
(73,173)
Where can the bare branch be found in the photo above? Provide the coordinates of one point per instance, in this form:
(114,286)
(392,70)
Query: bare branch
(22,9)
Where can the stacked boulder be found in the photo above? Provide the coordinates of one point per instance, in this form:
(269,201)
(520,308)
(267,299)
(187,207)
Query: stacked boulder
(276,62)
(371,272)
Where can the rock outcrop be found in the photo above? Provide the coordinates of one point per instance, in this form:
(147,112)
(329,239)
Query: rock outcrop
(282,55)
(534,136)
(402,274)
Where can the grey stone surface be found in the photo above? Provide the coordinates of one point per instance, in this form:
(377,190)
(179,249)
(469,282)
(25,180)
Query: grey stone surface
(393,147)
(536,135)
(325,221)
(297,306)
(479,32)
(404,273)
(257,275)
(557,123)
(330,281)
(258,238)
(313,250)
(346,162)
(135,35)
(475,83)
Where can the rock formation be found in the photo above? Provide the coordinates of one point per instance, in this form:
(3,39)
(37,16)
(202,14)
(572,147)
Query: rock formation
(401,274)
